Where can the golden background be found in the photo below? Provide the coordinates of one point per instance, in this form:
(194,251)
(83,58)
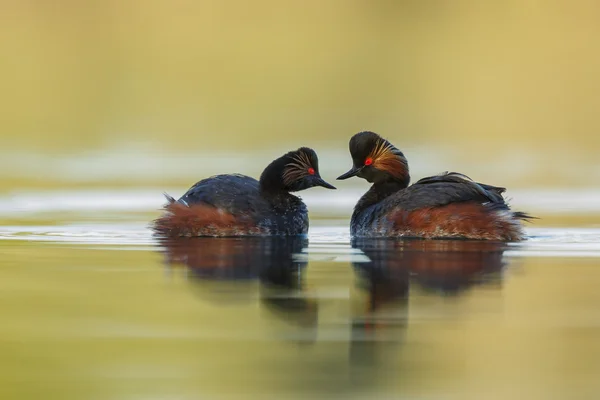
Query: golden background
(507,90)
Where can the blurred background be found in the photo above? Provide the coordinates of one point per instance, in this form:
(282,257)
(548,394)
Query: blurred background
(161,94)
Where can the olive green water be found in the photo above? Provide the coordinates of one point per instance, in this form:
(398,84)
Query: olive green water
(98,310)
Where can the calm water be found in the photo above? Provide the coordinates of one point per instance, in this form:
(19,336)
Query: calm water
(93,308)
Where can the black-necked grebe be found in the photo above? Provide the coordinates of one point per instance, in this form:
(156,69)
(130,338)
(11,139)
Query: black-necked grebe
(449,205)
(238,205)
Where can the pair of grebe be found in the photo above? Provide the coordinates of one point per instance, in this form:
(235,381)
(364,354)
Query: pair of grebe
(449,205)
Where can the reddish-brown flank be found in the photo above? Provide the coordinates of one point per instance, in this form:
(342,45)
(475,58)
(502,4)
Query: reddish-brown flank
(460,220)
(202,220)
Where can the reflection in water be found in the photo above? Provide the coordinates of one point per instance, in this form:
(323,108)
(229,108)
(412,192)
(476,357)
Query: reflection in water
(271,260)
(226,269)
(383,319)
(282,289)
(452,266)
(446,266)
(223,269)
(380,335)
(235,258)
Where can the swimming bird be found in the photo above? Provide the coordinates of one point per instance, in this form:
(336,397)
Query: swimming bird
(449,205)
(238,205)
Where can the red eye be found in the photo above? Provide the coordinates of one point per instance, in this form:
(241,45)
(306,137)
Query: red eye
(369,161)
(311,171)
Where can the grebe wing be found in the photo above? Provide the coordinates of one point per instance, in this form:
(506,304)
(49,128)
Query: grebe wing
(450,187)
(233,193)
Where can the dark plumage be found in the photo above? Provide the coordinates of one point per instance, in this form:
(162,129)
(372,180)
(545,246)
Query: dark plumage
(238,205)
(449,205)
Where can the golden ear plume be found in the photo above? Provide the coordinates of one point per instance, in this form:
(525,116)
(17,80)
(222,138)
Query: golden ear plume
(297,169)
(385,159)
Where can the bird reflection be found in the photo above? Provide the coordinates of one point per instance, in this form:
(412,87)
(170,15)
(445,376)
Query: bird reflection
(443,266)
(453,266)
(394,266)
(218,265)
(282,292)
(234,258)
(382,320)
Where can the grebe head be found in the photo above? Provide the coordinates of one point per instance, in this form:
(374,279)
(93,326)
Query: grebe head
(376,160)
(294,171)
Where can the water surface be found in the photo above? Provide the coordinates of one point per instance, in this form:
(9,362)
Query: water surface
(94,308)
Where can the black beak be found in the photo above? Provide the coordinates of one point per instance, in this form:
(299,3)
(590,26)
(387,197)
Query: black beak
(353,172)
(320,182)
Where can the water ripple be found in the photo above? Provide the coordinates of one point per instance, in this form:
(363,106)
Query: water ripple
(326,242)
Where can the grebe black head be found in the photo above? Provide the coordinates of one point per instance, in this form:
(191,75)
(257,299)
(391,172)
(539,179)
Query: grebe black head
(294,171)
(376,160)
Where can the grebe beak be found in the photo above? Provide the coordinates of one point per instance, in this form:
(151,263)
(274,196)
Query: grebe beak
(321,182)
(353,172)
